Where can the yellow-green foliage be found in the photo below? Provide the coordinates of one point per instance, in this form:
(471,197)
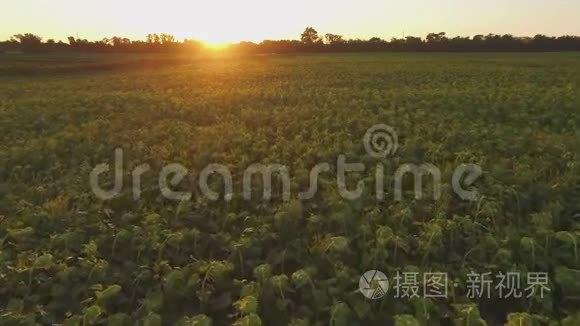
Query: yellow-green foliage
(68,257)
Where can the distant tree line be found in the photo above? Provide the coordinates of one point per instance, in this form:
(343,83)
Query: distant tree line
(153,43)
(310,41)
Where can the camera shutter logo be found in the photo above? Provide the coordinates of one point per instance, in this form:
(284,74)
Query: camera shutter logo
(373,284)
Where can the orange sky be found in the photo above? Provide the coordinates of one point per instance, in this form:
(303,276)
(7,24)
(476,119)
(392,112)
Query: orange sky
(220,21)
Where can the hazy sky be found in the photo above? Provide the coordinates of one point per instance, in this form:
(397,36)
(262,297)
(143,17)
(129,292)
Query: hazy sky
(219,21)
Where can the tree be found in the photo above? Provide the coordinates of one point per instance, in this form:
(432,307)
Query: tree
(120,41)
(413,42)
(167,39)
(309,36)
(334,39)
(153,38)
(28,40)
(436,37)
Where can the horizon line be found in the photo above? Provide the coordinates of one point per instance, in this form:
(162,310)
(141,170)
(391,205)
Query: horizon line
(183,39)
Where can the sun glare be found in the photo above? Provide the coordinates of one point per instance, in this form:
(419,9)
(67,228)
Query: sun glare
(216,46)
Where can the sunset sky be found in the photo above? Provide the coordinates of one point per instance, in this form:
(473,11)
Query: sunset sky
(220,21)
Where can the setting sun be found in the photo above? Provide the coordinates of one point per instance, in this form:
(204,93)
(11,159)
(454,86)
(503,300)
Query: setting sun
(216,46)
